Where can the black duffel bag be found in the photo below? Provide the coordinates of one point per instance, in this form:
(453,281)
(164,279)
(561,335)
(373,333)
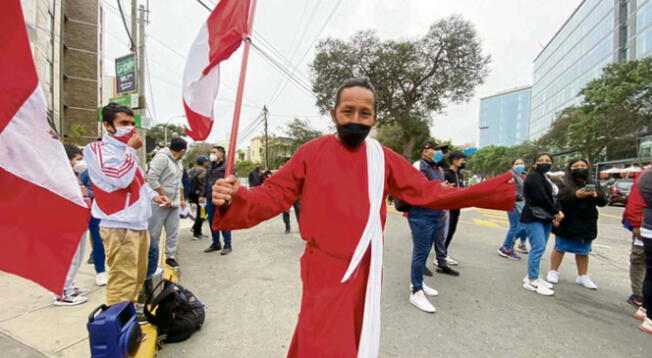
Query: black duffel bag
(175,311)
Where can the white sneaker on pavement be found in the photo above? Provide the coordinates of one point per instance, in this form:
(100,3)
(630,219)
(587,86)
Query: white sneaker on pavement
(451,261)
(427,290)
(419,299)
(646,326)
(586,281)
(545,283)
(553,276)
(69,300)
(101,279)
(640,314)
(538,287)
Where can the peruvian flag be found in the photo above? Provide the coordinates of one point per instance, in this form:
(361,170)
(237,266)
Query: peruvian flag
(217,39)
(43,215)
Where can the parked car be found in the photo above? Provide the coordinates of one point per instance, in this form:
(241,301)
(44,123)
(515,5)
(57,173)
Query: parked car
(619,193)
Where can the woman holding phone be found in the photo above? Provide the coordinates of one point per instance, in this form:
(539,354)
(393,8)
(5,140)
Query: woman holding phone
(541,209)
(579,198)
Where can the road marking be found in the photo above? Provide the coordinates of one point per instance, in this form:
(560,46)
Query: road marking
(611,216)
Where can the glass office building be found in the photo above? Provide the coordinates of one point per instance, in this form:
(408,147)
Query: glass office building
(504,117)
(599,32)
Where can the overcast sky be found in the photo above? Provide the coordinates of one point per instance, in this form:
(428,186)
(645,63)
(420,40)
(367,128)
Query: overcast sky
(512,31)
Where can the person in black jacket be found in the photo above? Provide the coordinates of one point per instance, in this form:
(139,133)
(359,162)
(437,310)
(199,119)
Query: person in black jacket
(578,197)
(455,177)
(541,209)
(215,171)
(645,312)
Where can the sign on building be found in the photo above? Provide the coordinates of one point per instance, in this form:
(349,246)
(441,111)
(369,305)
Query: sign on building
(125,71)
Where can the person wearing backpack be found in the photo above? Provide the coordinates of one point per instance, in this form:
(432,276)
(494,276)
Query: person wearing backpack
(197,175)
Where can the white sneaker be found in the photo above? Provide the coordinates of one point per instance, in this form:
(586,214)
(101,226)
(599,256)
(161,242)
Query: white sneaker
(419,299)
(69,300)
(543,282)
(101,279)
(640,314)
(452,262)
(586,281)
(427,290)
(646,326)
(538,287)
(553,276)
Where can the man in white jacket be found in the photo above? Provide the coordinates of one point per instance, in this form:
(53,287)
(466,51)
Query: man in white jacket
(122,203)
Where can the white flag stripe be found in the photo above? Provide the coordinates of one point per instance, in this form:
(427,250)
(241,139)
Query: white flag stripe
(199,91)
(29,151)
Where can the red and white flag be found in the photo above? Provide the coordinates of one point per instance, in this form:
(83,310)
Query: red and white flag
(43,215)
(219,37)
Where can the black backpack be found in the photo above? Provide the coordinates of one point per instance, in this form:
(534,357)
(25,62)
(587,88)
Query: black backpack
(196,189)
(176,312)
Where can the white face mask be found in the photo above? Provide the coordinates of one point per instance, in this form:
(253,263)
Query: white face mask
(122,131)
(80,166)
(212,157)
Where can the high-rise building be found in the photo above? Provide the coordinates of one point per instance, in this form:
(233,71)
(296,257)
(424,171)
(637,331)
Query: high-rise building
(504,117)
(597,33)
(64,37)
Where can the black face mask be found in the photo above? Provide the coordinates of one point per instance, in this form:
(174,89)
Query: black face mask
(462,166)
(353,134)
(543,168)
(580,174)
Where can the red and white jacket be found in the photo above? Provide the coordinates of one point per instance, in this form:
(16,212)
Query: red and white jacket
(122,198)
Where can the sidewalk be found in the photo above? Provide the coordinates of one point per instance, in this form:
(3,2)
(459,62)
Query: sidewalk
(32,327)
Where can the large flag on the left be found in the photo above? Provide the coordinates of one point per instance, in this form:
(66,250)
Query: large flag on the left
(42,212)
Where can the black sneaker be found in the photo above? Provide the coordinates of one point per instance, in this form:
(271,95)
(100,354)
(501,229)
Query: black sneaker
(90,260)
(227,250)
(447,270)
(427,272)
(287,230)
(635,301)
(172,262)
(213,247)
(198,237)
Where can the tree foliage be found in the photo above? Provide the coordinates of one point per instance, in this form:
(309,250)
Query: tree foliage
(243,168)
(157,133)
(412,78)
(301,132)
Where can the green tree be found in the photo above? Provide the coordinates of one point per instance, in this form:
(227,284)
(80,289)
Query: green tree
(157,133)
(413,78)
(243,168)
(300,131)
(490,160)
(195,150)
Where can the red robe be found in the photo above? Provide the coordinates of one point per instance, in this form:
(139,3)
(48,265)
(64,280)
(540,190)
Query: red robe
(332,182)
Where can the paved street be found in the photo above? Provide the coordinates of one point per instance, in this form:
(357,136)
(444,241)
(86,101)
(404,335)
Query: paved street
(253,299)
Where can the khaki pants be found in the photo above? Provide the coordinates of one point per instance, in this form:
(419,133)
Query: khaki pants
(637,269)
(126,256)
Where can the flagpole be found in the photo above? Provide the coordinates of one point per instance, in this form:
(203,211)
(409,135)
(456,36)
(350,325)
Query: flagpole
(238,100)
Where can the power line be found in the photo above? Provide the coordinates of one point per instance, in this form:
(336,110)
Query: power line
(149,85)
(328,19)
(124,22)
(282,69)
(204,5)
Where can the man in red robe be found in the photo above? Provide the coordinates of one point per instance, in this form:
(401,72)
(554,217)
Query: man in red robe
(330,174)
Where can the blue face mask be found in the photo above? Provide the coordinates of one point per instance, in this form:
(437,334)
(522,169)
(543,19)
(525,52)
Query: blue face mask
(438,156)
(519,169)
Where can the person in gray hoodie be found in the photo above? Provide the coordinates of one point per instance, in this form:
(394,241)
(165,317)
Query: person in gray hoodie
(164,176)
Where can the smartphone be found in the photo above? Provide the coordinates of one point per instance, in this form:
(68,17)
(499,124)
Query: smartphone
(590,187)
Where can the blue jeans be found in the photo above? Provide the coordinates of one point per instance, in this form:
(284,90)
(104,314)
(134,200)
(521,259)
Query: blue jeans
(538,233)
(98,245)
(516,230)
(425,229)
(210,210)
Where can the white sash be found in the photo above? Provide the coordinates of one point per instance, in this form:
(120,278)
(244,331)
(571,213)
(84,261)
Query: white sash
(372,235)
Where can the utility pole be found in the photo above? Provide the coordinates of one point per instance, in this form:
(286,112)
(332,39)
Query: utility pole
(266,138)
(138,36)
